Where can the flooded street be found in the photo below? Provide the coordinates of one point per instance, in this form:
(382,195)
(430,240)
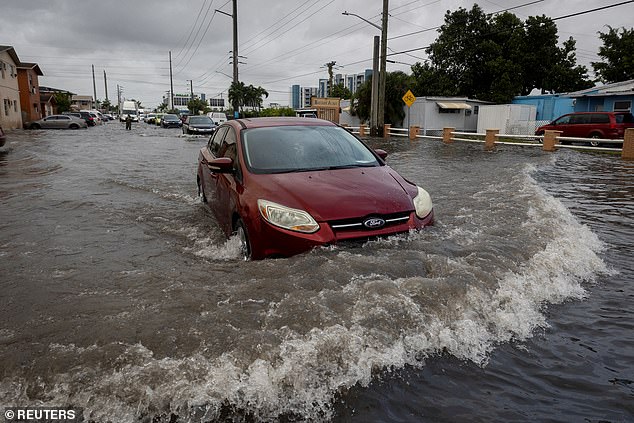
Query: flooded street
(121,295)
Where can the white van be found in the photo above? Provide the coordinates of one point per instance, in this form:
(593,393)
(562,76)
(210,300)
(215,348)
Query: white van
(218,117)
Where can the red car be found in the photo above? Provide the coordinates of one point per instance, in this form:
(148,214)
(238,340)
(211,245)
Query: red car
(607,125)
(287,185)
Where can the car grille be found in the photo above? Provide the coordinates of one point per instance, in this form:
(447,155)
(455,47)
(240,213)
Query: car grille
(359,223)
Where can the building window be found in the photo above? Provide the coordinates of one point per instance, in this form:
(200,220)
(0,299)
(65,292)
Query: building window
(443,110)
(622,106)
(6,107)
(476,109)
(3,68)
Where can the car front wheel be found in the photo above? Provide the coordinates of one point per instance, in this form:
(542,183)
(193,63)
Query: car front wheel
(245,246)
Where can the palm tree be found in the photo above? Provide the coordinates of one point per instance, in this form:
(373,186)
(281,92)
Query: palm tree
(237,92)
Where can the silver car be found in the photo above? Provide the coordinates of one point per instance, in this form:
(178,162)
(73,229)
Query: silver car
(59,122)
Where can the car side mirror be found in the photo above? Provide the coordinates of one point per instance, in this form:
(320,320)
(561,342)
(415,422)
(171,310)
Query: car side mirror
(381,153)
(221,165)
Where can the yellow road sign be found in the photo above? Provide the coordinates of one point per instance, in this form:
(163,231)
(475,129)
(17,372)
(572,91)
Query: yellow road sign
(409,98)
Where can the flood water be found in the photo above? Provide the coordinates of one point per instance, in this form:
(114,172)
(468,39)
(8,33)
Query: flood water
(121,296)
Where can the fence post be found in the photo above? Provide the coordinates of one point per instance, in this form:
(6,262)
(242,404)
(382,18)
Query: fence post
(489,139)
(386,130)
(550,139)
(413,131)
(628,145)
(362,130)
(446,135)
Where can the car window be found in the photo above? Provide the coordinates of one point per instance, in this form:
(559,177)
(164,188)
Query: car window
(216,140)
(303,148)
(228,147)
(579,119)
(564,120)
(624,118)
(599,118)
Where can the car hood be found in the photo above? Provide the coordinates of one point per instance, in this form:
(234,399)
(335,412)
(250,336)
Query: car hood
(339,194)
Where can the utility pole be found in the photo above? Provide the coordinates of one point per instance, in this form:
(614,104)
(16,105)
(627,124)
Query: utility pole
(105,84)
(381,111)
(374,106)
(94,87)
(171,84)
(235,56)
(119,98)
(235,41)
(375,111)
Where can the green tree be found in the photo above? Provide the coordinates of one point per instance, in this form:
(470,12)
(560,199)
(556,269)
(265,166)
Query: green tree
(281,111)
(396,85)
(237,92)
(341,92)
(496,57)
(617,53)
(362,99)
(106,105)
(196,106)
(241,95)
(63,101)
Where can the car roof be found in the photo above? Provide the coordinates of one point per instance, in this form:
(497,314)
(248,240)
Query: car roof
(264,122)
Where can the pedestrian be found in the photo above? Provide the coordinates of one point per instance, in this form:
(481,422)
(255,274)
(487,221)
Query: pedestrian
(128,122)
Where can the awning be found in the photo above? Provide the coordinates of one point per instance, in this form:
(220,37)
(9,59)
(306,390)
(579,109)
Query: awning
(454,106)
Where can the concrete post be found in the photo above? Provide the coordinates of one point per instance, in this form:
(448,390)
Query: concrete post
(413,132)
(386,130)
(628,145)
(362,131)
(489,139)
(550,139)
(446,135)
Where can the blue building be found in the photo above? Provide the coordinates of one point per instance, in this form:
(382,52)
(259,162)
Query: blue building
(616,97)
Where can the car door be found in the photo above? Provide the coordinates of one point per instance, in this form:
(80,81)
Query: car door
(226,183)
(207,154)
(62,122)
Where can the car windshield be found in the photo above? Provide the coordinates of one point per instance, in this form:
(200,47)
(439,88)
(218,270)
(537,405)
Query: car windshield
(199,120)
(170,117)
(284,149)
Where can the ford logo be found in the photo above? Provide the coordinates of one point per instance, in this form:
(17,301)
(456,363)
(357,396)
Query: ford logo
(374,223)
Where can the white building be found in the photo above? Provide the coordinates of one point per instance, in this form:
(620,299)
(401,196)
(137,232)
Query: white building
(10,112)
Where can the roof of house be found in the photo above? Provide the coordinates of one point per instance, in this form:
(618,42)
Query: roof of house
(34,66)
(11,51)
(615,88)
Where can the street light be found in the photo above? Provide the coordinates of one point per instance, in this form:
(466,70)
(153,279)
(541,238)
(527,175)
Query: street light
(378,84)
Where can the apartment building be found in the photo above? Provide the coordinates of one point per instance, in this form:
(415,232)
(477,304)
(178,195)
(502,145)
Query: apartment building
(10,112)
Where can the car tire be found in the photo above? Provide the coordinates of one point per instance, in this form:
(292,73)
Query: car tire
(245,246)
(35,126)
(74,126)
(595,143)
(201,192)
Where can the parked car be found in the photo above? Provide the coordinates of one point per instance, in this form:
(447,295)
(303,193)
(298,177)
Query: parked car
(286,185)
(199,125)
(607,125)
(171,121)
(150,118)
(3,137)
(58,122)
(218,117)
(90,120)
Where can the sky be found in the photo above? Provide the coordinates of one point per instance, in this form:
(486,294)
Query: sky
(281,42)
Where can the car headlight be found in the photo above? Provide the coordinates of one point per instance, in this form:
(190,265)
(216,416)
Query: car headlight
(287,218)
(422,203)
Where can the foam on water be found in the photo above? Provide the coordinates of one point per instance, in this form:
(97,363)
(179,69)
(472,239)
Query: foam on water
(387,323)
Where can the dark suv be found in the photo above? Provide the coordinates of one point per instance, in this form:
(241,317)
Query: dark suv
(608,125)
